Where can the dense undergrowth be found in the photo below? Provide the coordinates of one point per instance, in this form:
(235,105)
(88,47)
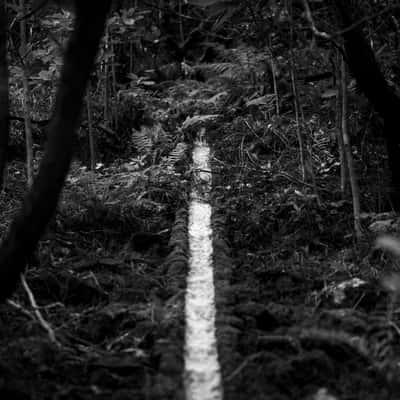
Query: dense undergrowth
(108,280)
(316,319)
(105,281)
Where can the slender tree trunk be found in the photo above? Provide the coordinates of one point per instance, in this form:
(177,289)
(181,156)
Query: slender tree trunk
(114,84)
(342,156)
(310,169)
(131,57)
(348,153)
(106,81)
(113,70)
(42,198)
(274,79)
(181,32)
(4,96)
(26,98)
(276,92)
(92,146)
(300,138)
(296,100)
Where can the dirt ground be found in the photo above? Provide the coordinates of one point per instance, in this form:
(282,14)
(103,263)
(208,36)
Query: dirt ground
(306,314)
(301,310)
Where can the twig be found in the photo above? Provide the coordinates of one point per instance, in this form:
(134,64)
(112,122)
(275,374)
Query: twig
(207,171)
(316,31)
(313,27)
(21,309)
(45,325)
(243,365)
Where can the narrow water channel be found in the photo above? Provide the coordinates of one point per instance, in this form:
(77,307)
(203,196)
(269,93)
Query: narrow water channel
(202,369)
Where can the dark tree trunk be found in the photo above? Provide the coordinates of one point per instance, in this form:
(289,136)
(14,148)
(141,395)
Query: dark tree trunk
(4,100)
(41,200)
(364,67)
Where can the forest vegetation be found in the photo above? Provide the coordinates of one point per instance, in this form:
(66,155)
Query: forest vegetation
(100,105)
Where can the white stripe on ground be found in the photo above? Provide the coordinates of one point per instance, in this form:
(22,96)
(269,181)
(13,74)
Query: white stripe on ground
(202,370)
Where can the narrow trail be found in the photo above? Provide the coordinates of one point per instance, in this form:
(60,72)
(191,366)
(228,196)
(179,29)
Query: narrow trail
(202,369)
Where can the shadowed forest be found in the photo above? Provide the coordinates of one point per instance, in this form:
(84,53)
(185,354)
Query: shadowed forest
(101,106)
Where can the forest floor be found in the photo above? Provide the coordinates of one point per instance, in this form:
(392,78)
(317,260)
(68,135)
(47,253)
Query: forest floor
(302,312)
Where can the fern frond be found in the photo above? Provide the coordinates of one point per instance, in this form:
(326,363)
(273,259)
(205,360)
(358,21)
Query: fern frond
(244,56)
(267,101)
(198,119)
(237,64)
(142,141)
(177,154)
(148,137)
(226,69)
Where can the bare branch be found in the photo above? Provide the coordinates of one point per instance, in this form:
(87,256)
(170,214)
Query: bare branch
(313,27)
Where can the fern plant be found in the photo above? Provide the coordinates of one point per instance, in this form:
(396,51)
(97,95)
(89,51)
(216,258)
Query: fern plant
(151,142)
(177,154)
(240,64)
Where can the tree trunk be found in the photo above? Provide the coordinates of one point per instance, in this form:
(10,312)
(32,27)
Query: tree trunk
(364,66)
(106,95)
(342,156)
(26,97)
(131,57)
(272,65)
(92,147)
(296,102)
(114,84)
(41,201)
(4,96)
(347,151)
